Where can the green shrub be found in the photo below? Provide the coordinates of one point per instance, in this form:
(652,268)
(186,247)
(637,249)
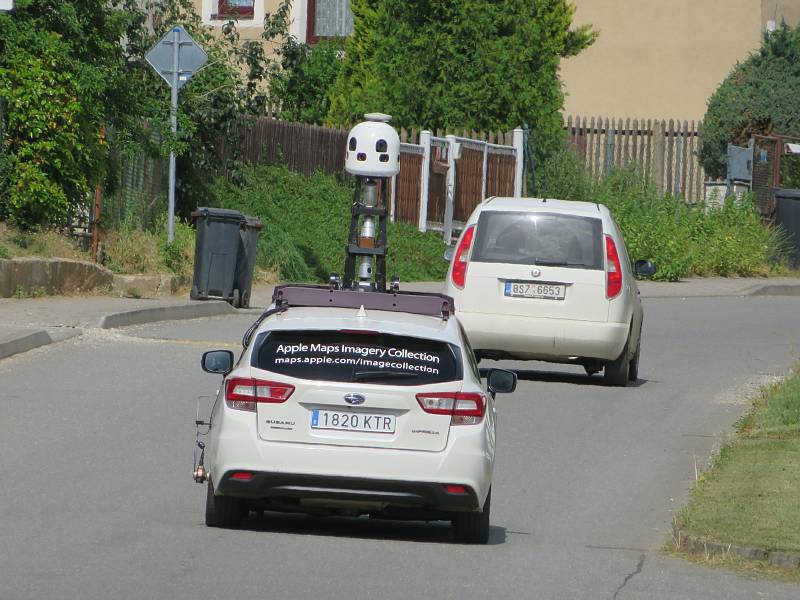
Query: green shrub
(4,253)
(759,96)
(307,73)
(681,240)
(306,222)
(132,250)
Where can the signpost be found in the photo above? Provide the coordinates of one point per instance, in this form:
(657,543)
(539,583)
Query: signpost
(176,57)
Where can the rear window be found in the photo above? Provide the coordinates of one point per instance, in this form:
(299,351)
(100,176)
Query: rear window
(356,357)
(539,238)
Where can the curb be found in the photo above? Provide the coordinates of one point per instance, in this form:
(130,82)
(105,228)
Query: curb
(776,290)
(693,544)
(166,313)
(23,343)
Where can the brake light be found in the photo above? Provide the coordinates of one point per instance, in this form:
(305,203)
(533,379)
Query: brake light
(459,274)
(464,408)
(243,393)
(613,269)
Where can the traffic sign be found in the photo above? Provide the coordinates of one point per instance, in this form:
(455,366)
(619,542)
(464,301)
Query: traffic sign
(190,56)
(176,57)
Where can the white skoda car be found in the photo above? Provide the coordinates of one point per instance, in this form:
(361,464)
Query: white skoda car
(354,403)
(549,280)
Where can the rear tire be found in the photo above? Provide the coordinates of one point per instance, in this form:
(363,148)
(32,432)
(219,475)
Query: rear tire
(633,367)
(473,527)
(616,372)
(222,511)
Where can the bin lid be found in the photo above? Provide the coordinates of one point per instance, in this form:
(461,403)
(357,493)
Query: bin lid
(793,194)
(253,222)
(218,214)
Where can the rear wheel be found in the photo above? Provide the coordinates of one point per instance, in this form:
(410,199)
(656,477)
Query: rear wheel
(633,366)
(235,301)
(473,527)
(616,372)
(222,511)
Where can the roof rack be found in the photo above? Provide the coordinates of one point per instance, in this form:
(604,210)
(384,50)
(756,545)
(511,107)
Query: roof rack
(418,303)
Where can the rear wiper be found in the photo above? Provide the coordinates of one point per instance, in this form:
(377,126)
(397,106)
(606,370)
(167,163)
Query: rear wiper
(367,375)
(547,262)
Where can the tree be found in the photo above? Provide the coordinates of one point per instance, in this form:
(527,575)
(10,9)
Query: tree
(759,96)
(474,64)
(301,86)
(72,69)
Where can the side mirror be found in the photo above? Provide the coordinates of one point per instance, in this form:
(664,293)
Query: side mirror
(644,268)
(501,381)
(449,252)
(217,361)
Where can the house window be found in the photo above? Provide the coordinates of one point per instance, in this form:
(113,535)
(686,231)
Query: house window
(235,9)
(329,19)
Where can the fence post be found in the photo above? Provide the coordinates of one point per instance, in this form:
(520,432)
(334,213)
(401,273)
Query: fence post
(485,178)
(392,199)
(676,184)
(659,148)
(519,171)
(450,195)
(610,148)
(425,142)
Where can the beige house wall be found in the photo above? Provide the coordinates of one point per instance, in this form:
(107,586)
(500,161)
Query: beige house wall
(657,58)
(249,29)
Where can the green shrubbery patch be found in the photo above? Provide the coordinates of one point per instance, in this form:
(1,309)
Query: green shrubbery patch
(131,250)
(306,221)
(682,240)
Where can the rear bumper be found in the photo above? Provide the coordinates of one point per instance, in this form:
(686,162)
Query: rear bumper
(293,486)
(394,477)
(543,339)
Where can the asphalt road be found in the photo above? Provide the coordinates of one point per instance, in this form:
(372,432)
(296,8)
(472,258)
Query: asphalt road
(97,499)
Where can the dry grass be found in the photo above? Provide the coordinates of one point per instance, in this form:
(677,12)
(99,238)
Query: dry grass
(43,244)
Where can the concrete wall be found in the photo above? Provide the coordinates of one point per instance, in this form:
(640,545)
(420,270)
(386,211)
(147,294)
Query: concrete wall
(662,59)
(32,276)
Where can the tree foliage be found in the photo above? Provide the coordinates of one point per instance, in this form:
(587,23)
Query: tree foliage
(300,88)
(760,96)
(71,70)
(474,64)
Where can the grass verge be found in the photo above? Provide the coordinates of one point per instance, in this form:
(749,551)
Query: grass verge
(41,244)
(750,496)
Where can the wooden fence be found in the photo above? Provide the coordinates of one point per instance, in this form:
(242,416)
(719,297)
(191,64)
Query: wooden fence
(665,151)
(484,167)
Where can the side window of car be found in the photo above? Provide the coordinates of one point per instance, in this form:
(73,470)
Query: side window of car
(622,248)
(472,362)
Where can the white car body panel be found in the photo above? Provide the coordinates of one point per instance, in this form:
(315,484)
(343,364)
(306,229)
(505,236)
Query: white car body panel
(585,324)
(424,447)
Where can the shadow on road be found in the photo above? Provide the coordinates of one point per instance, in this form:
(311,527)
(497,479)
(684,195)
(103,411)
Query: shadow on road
(360,528)
(563,377)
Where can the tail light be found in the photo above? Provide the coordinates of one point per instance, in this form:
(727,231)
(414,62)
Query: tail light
(460,260)
(464,408)
(613,269)
(243,393)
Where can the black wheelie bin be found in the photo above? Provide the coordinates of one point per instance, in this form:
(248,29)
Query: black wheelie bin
(216,254)
(246,263)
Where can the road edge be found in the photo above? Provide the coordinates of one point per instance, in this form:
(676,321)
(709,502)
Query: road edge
(165,313)
(24,342)
(691,544)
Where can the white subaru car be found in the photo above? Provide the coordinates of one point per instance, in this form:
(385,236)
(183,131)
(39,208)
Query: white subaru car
(354,403)
(550,280)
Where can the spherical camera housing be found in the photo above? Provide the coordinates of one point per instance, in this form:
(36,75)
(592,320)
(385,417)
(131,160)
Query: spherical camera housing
(373,148)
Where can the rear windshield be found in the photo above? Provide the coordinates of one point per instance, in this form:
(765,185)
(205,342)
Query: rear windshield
(357,357)
(539,238)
